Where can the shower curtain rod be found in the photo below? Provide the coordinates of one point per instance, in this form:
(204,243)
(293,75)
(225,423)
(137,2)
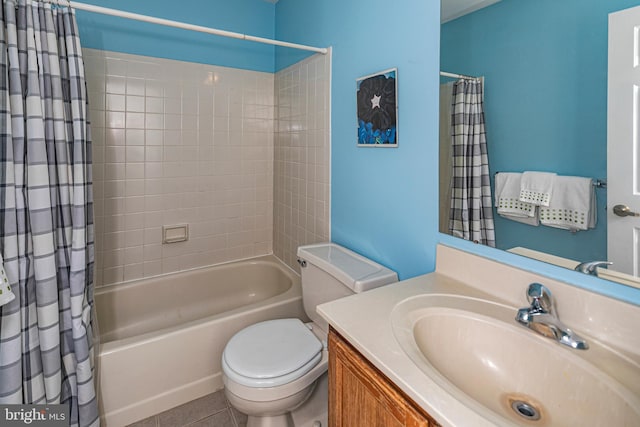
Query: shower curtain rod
(456,76)
(185,26)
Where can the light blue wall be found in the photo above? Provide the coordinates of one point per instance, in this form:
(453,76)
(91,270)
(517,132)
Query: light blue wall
(382,199)
(254,17)
(545,64)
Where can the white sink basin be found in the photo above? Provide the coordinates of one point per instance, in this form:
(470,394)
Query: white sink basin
(508,374)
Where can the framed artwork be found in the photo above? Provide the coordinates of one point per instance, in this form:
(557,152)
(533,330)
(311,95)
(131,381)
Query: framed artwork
(377,99)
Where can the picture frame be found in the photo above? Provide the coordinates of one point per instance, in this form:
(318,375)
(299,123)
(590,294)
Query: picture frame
(377,109)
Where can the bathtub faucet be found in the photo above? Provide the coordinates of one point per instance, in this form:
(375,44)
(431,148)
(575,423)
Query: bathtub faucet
(541,317)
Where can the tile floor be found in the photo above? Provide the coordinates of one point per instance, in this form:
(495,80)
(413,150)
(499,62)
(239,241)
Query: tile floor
(212,410)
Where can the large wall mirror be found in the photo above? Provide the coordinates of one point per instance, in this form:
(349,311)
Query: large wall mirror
(543,65)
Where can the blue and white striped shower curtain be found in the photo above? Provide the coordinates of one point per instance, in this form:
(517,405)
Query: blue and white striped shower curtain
(46,212)
(471,215)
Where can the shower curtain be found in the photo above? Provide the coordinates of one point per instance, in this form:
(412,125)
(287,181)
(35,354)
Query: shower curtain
(445,157)
(46,212)
(471,215)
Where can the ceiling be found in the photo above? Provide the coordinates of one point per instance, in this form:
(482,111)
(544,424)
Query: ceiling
(452,9)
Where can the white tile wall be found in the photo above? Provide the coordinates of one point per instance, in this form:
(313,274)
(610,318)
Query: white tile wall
(302,157)
(178,142)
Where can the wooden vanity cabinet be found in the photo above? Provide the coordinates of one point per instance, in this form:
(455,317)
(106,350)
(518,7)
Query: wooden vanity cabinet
(361,396)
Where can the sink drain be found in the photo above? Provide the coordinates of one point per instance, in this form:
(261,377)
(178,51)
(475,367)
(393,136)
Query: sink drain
(525,410)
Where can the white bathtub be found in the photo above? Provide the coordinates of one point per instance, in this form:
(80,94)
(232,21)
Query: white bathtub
(162,338)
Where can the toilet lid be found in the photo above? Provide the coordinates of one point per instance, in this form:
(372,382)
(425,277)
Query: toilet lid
(272,350)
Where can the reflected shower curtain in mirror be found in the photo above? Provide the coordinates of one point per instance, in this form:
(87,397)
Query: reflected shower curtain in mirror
(471,215)
(46,213)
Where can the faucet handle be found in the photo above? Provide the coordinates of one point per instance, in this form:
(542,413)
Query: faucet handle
(591,267)
(540,297)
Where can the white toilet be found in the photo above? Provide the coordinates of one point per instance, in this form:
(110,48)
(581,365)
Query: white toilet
(275,371)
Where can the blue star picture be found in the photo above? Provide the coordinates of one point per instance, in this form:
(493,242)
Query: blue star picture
(377,109)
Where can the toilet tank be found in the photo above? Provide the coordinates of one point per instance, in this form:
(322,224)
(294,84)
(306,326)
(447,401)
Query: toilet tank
(330,271)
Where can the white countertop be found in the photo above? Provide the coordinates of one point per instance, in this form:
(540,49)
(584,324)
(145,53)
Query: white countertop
(364,320)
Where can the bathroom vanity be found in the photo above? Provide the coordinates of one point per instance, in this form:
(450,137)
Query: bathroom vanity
(361,396)
(444,349)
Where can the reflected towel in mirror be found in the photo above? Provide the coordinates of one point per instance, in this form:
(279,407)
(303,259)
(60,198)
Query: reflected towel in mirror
(537,187)
(508,204)
(572,205)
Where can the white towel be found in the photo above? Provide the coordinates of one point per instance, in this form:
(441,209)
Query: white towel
(573,204)
(507,193)
(6,295)
(537,187)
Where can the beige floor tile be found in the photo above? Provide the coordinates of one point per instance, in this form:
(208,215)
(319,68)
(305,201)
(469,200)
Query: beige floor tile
(221,419)
(147,422)
(193,411)
(239,417)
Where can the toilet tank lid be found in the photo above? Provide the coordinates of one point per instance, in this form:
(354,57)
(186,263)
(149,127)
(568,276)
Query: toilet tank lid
(355,271)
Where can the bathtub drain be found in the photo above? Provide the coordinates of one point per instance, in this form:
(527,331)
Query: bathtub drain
(525,410)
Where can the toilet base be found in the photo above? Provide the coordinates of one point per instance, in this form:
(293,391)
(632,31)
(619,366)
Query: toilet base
(283,420)
(269,407)
(314,412)
(311,411)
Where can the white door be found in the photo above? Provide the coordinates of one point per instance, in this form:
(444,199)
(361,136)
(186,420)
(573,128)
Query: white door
(623,141)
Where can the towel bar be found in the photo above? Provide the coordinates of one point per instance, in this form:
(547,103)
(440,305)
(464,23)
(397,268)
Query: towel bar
(598,183)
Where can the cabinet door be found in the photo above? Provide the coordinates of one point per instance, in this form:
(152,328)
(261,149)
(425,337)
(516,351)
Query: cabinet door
(360,396)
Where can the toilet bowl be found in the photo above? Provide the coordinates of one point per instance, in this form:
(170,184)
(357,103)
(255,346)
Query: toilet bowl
(271,370)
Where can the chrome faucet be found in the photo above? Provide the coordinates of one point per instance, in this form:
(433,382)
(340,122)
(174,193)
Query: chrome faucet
(541,317)
(591,267)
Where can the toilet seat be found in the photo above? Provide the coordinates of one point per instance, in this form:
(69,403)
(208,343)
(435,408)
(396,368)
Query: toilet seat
(271,353)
